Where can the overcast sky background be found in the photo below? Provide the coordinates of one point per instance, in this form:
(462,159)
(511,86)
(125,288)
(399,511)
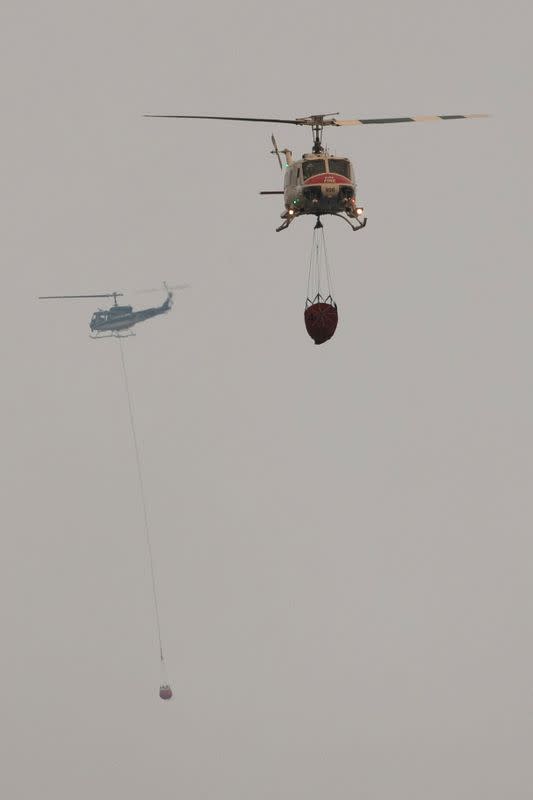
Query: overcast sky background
(342,534)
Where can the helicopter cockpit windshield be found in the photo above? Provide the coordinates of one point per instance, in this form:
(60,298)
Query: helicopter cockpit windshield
(98,319)
(340,166)
(313,167)
(118,310)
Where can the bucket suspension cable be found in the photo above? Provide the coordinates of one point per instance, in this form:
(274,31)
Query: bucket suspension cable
(329,275)
(144,507)
(320,315)
(319,280)
(313,276)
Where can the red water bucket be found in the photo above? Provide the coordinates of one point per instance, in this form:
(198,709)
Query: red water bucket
(321,318)
(165,692)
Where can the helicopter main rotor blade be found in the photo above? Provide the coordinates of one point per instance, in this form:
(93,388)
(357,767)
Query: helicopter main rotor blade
(234,119)
(389,120)
(77,296)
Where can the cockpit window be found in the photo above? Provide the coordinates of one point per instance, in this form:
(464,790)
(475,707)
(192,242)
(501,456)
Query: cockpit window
(120,310)
(340,166)
(311,168)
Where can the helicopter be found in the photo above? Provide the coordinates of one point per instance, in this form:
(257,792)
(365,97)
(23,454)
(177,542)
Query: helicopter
(118,320)
(320,183)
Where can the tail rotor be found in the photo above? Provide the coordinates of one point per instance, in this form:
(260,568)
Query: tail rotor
(169,288)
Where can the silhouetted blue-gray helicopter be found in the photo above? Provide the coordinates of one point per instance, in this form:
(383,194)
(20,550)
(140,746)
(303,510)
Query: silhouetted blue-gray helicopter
(117,320)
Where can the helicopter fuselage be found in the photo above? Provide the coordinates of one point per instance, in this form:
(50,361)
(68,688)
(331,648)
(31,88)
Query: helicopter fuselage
(121,318)
(320,184)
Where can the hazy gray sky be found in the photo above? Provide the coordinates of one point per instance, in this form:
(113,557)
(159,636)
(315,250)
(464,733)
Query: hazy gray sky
(342,534)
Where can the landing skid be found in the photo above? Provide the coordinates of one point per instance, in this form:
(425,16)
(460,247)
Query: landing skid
(286,222)
(290,217)
(360,223)
(112,334)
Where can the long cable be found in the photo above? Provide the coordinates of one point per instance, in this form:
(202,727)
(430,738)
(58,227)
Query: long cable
(310,271)
(319,269)
(143,500)
(313,277)
(329,276)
